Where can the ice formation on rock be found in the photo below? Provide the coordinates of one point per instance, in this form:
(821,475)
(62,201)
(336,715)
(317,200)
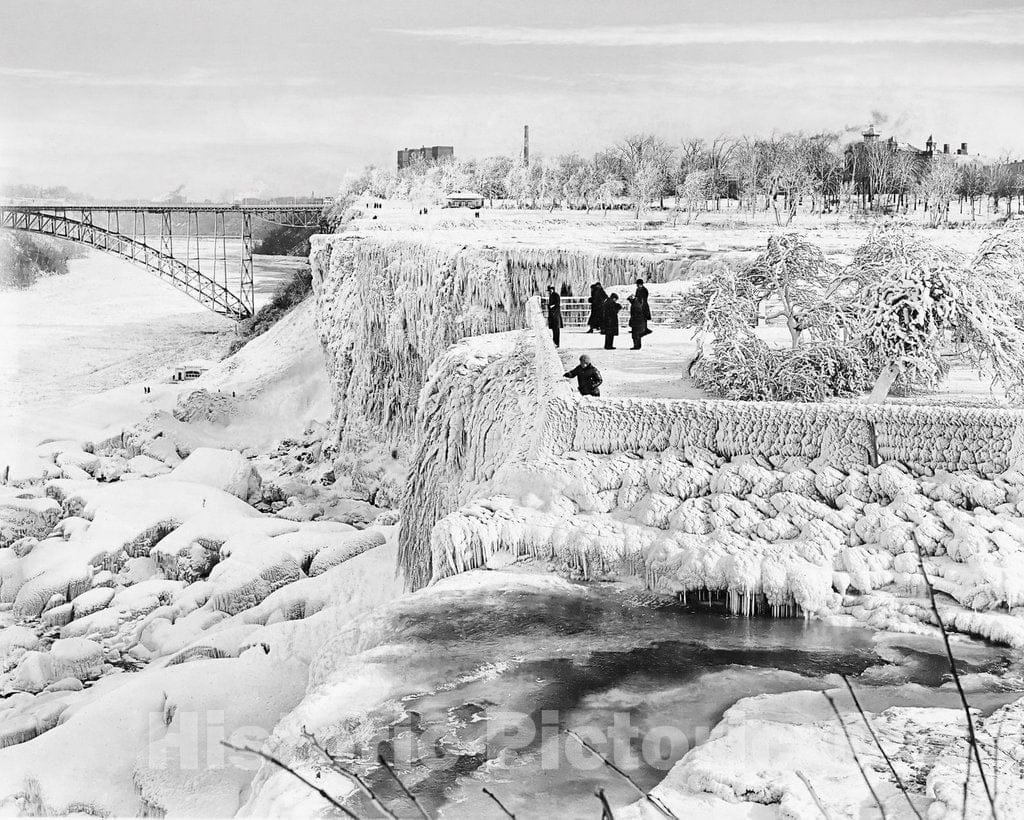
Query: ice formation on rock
(227,470)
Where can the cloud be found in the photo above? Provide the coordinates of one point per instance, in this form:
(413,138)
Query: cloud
(996,27)
(193,78)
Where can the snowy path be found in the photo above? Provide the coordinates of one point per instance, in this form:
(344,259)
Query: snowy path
(656,371)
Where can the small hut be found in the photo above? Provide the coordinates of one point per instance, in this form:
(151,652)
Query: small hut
(464,199)
(189,372)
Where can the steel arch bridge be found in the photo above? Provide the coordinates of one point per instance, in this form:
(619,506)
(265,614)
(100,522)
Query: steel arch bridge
(224,288)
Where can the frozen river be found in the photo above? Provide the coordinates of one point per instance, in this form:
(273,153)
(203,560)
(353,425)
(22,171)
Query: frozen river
(104,324)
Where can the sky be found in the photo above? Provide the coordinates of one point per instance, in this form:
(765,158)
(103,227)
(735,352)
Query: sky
(132,98)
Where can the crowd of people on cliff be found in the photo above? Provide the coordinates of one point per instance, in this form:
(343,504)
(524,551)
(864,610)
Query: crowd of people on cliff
(604,319)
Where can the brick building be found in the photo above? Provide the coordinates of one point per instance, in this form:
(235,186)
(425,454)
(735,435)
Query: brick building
(435,153)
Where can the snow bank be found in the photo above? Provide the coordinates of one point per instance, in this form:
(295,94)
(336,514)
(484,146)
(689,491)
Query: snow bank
(788,753)
(159,732)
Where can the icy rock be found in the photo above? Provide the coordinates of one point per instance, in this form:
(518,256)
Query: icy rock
(249,570)
(162,449)
(23,546)
(65,685)
(74,473)
(70,527)
(137,570)
(104,623)
(30,723)
(110,468)
(79,459)
(146,466)
(92,601)
(202,405)
(12,575)
(78,658)
(346,547)
(51,449)
(36,593)
(57,616)
(227,470)
(14,641)
(103,578)
(26,468)
(300,512)
(26,517)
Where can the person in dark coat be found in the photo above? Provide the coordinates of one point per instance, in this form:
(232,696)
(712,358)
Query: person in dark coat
(637,321)
(554,314)
(588,378)
(610,321)
(641,292)
(597,299)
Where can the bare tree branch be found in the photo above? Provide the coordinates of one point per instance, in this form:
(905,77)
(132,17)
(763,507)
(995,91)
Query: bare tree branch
(606,809)
(853,751)
(270,759)
(500,805)
(388,768)
(972,738)
(814,795)
(649,798)
(361,784)
(878,744)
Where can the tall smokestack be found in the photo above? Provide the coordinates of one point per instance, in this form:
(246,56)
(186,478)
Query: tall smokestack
(526,145)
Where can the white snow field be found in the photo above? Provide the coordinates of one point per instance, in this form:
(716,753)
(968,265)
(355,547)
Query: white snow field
(389,526)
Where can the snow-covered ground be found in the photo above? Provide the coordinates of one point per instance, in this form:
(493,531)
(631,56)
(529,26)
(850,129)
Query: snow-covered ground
(659,369)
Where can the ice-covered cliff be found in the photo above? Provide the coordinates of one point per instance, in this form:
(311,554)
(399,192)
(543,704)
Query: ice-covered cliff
(390,303)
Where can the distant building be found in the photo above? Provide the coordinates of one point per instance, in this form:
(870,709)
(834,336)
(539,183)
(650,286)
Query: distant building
(188,372)
(435,153)
(464,199)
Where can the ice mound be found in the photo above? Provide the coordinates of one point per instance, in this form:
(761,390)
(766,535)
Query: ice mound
(226,470)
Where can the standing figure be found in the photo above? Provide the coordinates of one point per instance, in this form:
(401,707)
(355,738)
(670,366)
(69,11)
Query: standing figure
(641,291)
(554,314)
(588,377)
(637,321)
(610,321)
(597,299)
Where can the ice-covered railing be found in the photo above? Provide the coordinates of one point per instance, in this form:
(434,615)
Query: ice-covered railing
(986,441)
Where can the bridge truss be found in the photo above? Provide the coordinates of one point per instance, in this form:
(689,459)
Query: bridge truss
(194,261)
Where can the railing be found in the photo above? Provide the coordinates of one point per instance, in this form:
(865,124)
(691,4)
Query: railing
(576,310)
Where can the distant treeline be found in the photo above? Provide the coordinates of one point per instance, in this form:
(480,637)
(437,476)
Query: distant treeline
(24,259)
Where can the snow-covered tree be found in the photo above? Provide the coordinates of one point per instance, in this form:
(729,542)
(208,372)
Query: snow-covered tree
(971,184)
(696,190)
(644,161)
(792,276)
(937,187)
(491,176)
(913,299)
